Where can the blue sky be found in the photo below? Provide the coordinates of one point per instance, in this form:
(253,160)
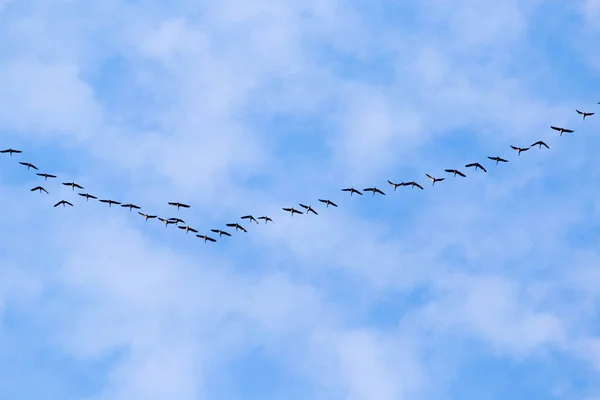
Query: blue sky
(484,287)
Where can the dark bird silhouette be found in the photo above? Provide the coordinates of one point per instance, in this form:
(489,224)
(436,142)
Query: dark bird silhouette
(519,149)
(374,190)
(308,209)
(46,176)
(292,210)
(40,189)
(166,221)
(561,130)
(109,202)
(220,232)
(146,216)
(237,226)
(585,114)
(178,205)
(73,185)
(187,229)
(250,217)
(10,151)
(131,206)
(395,185)
(328,203)
(352,191)
(206,238)
(455,172)
(28,165)
(476,165)
(177,220)
(412,184)
(87,196)
(267,219)
(434,180)
(64,203)
(498,159)
(539,143)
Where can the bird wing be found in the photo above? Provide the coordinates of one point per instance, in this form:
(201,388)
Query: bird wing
(471,165)
(66,202)
(556,128)
(516,148)
(429,176)
(483,169)
(579,112)
(461,174)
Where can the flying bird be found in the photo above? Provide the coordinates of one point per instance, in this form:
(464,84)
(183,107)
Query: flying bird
(539,143)
(206,238)
(519,149)
(46,176)
(10,151)
(178,205)
(476,165)
(395,185)
(146,216)
(498,159)
(328,203)
(131,206)
(308,209)
(585,114)
(28,165)
(220,232)
(40,189)
(352,191)
(292,210)
(412,184)
(374,190)
(177,220)
(73,185)
(237,226)
(434,180)
(267,219)
(109,202)
(561,130)
(250,217)
(87,196)
(187,229)
(64,203)
(166,221)
(455,172)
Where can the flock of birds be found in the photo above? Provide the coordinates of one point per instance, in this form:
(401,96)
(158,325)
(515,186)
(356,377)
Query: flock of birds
(181,224)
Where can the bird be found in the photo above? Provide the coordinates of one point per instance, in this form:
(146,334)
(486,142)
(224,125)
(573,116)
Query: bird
(412,184)
(131,206)
(292,210)
(476,165)
(539,143)
(352,191)
(175,204)
(434,180)
(10,151)
(46,176)
(206,238)
(63,202)
(28,165)
(146,216)
(395,185)
(267,219)
(40,189)
(177,220)
(374,190)
(519,149)
(166,221)
(220,232)
(250,217)
(328,203)
(109,202)
(237,226)
(73,185)
(87,196)
(187,229)
(498,159)
(561,130)
(585,114)
(455,172)
(308,209)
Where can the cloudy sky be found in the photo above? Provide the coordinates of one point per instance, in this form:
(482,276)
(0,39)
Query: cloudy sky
(484,287)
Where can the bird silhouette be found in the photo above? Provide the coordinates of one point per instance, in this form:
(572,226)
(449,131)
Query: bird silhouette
(267,219)
(73,185)
(352,191)
(206,238)
(64,203)
(109,202)
(434,180)
(167,222)
(178,205)
(585,114)
(477,166)
(292,210)
(519,150)
(177,220)
(146,216)
(237,226)
(498,159)
(187,229)
(374,190)
(28,165)
(308,209)
(40,189)
(131,206)
(395,185)
(46,176)
(10,151)
(561,130)
(455,172)
(412,184)
(539,143)
(87,196)
(220,232)
(328,203)
(250,217)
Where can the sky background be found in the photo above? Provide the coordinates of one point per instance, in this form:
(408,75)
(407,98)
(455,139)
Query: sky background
(484,287)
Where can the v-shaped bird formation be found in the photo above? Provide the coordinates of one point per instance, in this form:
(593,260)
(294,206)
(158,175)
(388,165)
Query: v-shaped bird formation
(308,209)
